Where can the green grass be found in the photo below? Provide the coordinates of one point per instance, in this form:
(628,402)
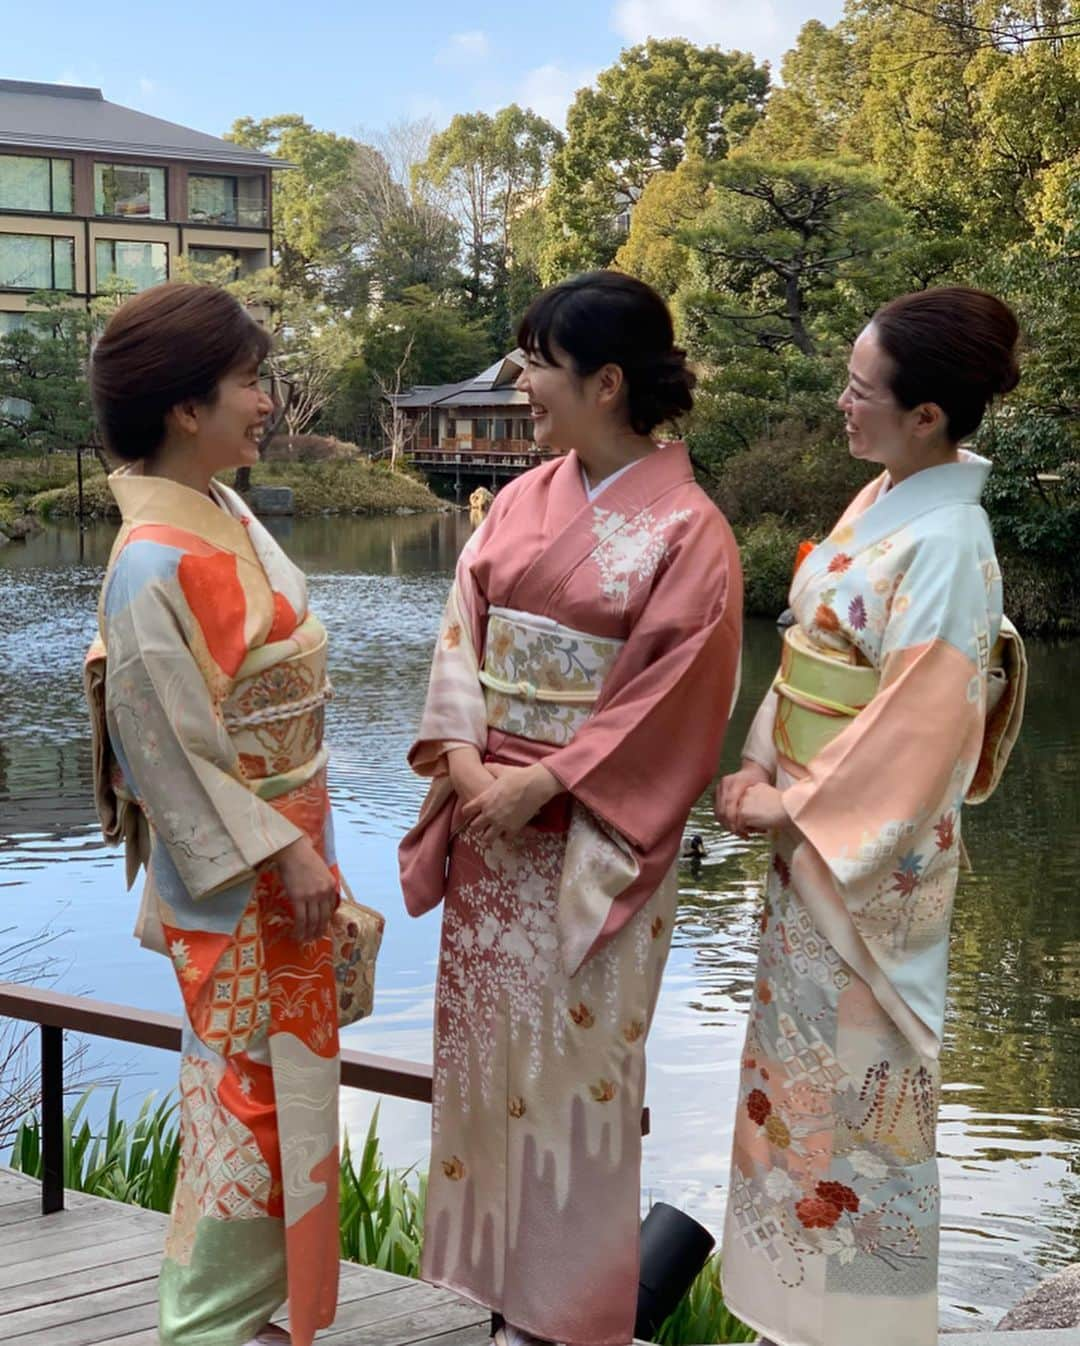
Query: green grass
(382,1212)
(382,1209)
(135,1162)
(702,1316)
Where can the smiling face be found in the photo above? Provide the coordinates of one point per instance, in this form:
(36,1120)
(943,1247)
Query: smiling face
(879,429)
(225,433)
(560,404)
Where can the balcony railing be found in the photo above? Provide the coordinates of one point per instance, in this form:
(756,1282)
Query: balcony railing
(246,214)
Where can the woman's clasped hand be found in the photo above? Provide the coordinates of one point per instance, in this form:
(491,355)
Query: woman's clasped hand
(747,801)
(499,799)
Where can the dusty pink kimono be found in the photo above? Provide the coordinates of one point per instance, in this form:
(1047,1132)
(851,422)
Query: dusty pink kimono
(603,638)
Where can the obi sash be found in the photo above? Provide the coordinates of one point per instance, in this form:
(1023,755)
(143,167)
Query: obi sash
(819,693)
(540,678)
(275,712)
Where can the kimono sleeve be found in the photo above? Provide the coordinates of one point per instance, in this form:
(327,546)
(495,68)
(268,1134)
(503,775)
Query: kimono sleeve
(172,746)
(653,745)
(759,746)
(913,750)
(455,713)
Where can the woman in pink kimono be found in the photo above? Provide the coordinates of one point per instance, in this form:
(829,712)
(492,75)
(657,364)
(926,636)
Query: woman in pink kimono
(898,698)
(207,686)
(579,693)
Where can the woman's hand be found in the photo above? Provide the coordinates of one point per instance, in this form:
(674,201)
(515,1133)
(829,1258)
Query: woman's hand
(761,809)
(310,887)
(516,794)
(468,775)
(731,789)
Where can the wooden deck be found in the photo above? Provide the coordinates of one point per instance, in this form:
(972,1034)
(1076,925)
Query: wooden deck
(87,1276)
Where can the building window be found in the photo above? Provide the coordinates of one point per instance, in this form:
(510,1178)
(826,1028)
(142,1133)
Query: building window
(200,257)
(143,264)
(36,262)
(13,410)
(213,199)
(29,183)
(525,429)
(482,428)
(137,193)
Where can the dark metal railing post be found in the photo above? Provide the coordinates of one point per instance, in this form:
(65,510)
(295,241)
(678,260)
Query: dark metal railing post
(52,1119)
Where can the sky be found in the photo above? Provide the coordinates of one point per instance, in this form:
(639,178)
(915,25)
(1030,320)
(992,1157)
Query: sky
(356,66)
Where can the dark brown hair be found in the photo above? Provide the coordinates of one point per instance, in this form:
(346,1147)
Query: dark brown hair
(606,317)
(953,346)
(173,343)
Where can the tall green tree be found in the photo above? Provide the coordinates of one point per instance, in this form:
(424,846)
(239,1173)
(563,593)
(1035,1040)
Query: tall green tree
(661,102)
(494,169)
(44,397)
(787,261)
(961,114)
(811,114)
(783,248)
(404,229)
(656,249)
(315,245)
(443,344)
(419,338)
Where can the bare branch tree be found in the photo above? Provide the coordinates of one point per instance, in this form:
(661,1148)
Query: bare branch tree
(399,430)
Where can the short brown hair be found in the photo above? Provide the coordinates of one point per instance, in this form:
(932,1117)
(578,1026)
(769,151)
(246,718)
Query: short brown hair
(953,346)
(170,344)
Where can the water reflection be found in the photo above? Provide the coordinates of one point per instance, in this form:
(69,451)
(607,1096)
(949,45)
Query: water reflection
(1010,1130)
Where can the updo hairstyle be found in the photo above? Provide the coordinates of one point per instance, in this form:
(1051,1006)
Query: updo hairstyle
(170,344)
(953,346)
(606,317)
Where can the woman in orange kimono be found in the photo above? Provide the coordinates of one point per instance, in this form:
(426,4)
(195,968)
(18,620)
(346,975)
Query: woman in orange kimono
(207,686)
(580,689)
(898,698)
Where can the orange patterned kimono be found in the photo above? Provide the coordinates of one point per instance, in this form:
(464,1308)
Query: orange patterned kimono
(209,716)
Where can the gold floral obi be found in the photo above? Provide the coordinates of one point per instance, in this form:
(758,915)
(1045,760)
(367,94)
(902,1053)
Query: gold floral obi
(818,693)
(275,711)
(541,679)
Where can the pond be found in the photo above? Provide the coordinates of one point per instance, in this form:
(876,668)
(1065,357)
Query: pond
(1010,1122)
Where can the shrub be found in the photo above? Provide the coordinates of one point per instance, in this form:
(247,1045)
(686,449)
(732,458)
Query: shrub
(307,449)
(346,487)
(1033,493)
(767,550)
(1040,598)
(63,502)
(806,479)
(132,1162)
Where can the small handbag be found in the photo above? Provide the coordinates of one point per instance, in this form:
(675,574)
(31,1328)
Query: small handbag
(356,934)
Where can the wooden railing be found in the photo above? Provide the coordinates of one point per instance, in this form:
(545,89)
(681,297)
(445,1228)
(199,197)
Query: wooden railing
(455,461)
(55,1012)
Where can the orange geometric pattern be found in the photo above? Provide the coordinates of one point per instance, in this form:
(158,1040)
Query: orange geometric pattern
(235,1003)
(221,1160)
